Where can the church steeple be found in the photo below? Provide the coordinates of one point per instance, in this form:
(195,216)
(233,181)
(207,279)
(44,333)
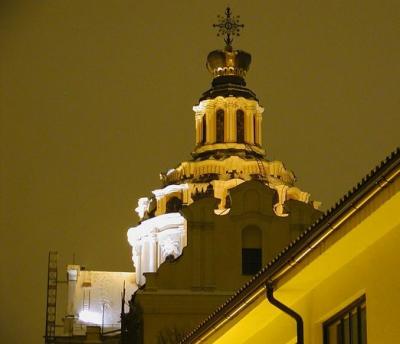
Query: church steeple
(228,116)
(228,152)
(228,66)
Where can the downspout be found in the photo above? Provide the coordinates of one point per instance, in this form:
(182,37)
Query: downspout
(384,180)
(288,311)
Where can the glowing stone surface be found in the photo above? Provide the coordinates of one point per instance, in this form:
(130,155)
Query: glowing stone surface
(91,317)
(155,239)
(94,297)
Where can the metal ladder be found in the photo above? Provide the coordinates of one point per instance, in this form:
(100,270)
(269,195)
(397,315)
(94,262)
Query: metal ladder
(259,162)
(51,298)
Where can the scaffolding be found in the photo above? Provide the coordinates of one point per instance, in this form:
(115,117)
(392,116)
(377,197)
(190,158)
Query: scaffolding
(50,332)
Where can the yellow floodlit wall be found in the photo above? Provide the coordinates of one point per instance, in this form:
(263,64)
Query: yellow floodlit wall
(363,257)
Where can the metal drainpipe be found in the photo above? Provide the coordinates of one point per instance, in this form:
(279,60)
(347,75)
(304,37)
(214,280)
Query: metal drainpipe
(287,310)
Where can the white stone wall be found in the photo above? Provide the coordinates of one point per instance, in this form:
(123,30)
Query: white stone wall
(94,298)
(155,239)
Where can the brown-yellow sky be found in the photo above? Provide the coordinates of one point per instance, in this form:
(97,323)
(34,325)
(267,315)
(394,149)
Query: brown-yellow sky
(96,97)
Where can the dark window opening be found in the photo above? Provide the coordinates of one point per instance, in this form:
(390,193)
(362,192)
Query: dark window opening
(348,326)
(174,204)
(251,260)
(251,250)
(220,125)
(240,126)
(204,130)
(228,202)
(170,258)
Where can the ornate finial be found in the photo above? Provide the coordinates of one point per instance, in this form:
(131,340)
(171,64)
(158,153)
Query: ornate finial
(228,26)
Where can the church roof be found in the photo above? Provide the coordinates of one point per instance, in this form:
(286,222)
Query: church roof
(351,202)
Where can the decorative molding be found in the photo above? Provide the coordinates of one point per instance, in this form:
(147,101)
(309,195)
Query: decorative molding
(230,105)
(155,239)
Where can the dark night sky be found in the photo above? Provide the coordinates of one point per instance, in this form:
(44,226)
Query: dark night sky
(96,97)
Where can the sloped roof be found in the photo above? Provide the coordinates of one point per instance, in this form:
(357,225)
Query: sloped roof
(353,200)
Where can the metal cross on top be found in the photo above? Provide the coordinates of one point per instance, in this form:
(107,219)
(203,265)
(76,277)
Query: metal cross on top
(228,26)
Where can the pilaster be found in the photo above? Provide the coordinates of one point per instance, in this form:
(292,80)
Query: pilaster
(211,124)
(199,128)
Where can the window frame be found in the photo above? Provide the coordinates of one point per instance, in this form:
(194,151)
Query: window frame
(249,268)
(340,316)
(252,253)
(220,126)
(240,126)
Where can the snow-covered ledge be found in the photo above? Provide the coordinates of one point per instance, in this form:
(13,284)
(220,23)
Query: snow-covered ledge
(155,239)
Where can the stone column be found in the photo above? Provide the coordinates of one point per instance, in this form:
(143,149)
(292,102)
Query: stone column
(230,128)
(161,204)
(211,124)
(184,236)
(73,274)
(258,123)
(258,113)
(199,128)
(137,262)
(249,125)
(152,251)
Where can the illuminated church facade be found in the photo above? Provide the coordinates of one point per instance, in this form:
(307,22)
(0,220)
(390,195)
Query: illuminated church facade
(228,153)
(229,227)
(218,217)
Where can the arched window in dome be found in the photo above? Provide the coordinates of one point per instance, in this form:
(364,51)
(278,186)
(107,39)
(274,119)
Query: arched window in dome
(204,130)
(251,250)
(255,129)
(240,126)
(220,119)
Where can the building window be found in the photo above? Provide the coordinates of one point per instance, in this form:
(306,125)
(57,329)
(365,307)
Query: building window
(251,250)
(220,125)
(174,204)
(204,130)
(255,129)
(240,126)
(348,326)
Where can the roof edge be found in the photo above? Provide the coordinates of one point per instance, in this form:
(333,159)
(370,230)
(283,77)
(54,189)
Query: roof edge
(377,179)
